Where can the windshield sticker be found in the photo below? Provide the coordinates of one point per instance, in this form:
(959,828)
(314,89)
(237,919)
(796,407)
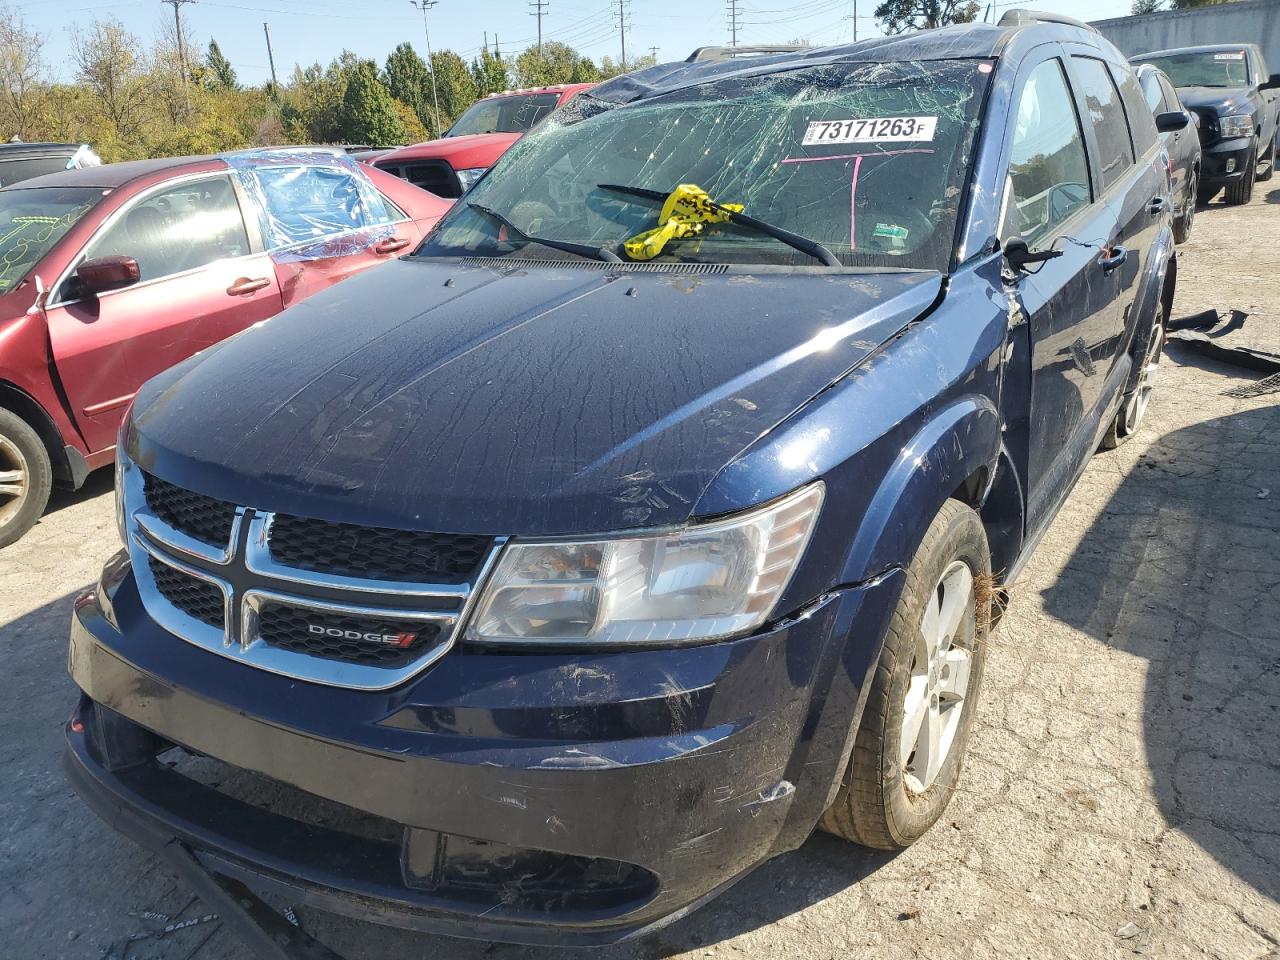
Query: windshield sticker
(1228,56)
(870,130)
(890,230)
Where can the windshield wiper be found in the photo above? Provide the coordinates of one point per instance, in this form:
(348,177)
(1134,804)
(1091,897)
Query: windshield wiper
(794,240)
(579,249)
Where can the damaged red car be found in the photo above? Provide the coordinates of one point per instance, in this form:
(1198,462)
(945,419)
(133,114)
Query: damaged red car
(111,274)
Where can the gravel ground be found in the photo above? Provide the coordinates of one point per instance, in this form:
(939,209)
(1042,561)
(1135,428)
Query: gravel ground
(1123,791)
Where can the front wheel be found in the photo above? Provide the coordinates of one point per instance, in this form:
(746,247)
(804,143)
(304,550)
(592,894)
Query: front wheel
(911,743)
(1241,191)
(1270,159)
(26,477)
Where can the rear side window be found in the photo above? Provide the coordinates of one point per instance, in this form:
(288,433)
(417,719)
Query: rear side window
(1111,130)
(306,203)
(1048,168)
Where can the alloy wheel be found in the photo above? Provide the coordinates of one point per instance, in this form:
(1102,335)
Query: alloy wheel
(1137,408)
(1193,193)
(940,667)
(14,485)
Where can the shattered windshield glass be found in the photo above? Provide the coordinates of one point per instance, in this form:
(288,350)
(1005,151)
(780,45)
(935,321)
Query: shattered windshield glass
(867,159)
(32,221)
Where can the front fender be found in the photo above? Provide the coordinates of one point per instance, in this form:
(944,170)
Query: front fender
(960,441)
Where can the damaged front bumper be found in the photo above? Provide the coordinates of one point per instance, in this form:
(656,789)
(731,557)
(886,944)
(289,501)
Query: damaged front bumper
(537,798)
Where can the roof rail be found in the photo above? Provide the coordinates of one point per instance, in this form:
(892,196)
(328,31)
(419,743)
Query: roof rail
(711,54)
(1020,15)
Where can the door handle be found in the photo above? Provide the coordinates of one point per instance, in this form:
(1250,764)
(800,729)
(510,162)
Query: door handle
(390,245)
(246,285)
(1112,257)
(1156,205)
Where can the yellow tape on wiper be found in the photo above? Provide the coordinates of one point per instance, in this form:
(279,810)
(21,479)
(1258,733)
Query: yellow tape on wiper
(684,214)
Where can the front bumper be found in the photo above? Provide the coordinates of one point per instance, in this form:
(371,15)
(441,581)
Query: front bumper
(1217,158)
(539,798)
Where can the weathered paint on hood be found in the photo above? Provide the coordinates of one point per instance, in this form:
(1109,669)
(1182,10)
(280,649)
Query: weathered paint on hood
(558,399)
(1224,100)
(473,150)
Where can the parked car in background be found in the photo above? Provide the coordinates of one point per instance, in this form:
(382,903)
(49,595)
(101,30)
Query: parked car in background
(22,161)
(488,128)
(1181,143)
(1238,103)
(111,274)
(649,515)
(371,154)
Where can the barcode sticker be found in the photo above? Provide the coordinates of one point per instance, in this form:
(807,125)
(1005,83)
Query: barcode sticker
(1228,56)
(870,130)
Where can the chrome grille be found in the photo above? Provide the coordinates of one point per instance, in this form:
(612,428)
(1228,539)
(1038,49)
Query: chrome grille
(332,603)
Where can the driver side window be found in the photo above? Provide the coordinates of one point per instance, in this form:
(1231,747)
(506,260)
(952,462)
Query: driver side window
(1048,168)
(186,226)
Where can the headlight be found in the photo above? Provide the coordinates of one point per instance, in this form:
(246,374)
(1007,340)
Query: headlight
(1236,125)
(694,583)
(469,176)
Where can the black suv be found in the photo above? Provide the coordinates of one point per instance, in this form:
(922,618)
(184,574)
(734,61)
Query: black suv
(538,585)
(22,161)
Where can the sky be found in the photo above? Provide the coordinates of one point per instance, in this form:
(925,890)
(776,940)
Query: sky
(307,31)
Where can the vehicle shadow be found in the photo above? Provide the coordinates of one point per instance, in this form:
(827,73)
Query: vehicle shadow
(1272,197)
(1182,568)
(95,485)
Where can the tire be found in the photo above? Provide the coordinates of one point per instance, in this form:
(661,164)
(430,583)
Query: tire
(26,477)
(1133,406)
(1182,225)
(1271,163)
(1241,191)
(885,801)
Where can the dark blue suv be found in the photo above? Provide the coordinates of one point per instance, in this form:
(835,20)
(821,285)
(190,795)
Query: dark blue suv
(654,512)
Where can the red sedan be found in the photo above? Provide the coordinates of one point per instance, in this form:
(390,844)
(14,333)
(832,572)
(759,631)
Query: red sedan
(111,274)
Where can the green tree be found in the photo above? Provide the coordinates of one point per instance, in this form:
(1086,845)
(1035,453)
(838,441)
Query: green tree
(611,68)
(409,81)
(455,85)
(220,72)
(898,16)
(110,67)
(21,73)
(558,63)
(489,73)
(369,111)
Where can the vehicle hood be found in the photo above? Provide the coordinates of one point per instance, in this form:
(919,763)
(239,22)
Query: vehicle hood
(475,150)
(557,399)
(1222,100)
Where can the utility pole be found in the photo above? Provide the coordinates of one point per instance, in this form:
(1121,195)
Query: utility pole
(538,7)
(182,47)
(271,59)
(854,18)
(424,6)
(733,22)
(622,31)
(653,52)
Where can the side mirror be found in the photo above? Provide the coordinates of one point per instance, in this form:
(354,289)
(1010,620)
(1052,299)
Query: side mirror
(1171,121)
(1020,256)
(1271,83)
(108,273)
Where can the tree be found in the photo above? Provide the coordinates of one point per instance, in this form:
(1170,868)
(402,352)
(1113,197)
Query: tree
(369,111)
(898,16)
(1145,6)
(115,74)
(455,86)
(220,72)
(409,81)
(610,68)
(558,63)
(489,73)
(21,70)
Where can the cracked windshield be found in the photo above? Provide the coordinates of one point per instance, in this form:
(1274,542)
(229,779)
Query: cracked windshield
(850,164)
(32,221)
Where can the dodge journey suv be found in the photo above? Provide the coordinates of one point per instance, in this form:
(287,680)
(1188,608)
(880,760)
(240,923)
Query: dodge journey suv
(538,585)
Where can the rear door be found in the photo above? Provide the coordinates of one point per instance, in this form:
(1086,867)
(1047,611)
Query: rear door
(323,224)
(200,283)
(1051,200)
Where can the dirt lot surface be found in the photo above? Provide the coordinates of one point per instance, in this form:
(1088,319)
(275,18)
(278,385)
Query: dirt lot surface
(1123,792)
